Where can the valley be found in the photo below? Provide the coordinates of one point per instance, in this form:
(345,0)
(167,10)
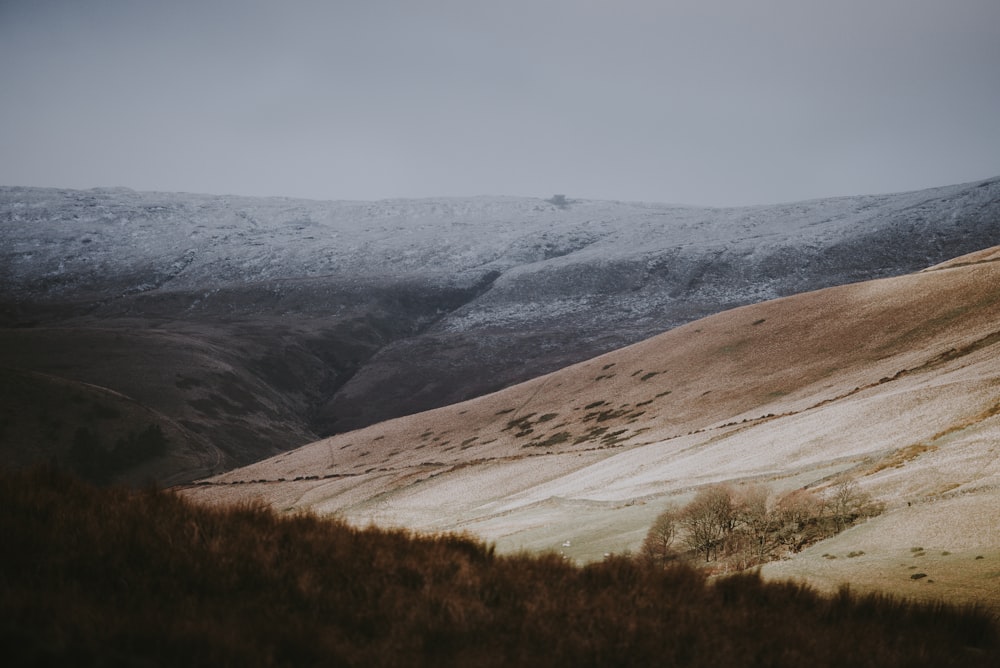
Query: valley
(544,377)
(254,326)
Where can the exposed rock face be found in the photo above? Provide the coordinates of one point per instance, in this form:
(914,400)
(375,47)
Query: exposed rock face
(256,325)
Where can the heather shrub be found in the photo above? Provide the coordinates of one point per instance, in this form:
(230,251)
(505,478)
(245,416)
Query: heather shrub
(112,576)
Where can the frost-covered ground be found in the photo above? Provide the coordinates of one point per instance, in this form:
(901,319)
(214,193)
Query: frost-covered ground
(893,383)
(115,243)
(368,310)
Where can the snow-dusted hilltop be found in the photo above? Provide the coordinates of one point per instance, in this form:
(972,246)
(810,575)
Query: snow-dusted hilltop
(113,244)
(257,324)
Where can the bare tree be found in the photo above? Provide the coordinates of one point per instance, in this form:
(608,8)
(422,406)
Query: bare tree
(796,513)
(658,545)
(841,502)
(848,503)
(708,520)
(757,522)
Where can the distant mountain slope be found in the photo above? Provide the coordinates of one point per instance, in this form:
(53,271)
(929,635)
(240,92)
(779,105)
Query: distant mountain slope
(97,434)
(894,382)
(260,324)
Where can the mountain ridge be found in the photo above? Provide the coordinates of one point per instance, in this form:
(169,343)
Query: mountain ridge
(324,317)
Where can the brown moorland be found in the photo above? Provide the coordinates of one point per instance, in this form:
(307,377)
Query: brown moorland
(894,383)
(115,576)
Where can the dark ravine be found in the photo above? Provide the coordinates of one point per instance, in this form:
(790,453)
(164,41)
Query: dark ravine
(257,325)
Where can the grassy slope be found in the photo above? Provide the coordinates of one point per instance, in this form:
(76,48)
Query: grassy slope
(117,577)
(42,417)
(895,382)
(200,375)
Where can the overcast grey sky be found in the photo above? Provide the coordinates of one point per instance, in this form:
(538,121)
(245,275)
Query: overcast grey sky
(716,102)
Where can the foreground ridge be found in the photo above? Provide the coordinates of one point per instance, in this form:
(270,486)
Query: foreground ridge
(93,576)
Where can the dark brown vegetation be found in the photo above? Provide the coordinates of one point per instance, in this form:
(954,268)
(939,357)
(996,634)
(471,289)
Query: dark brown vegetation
(112,576)
(735,529)
(98,435)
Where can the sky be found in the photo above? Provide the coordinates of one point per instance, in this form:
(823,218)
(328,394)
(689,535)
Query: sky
(702,102)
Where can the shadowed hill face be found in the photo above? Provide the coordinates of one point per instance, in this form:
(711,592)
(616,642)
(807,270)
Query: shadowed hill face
(894,383)
(97,434)
(258,325)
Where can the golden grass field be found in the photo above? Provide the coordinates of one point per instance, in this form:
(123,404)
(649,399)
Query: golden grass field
(894,382)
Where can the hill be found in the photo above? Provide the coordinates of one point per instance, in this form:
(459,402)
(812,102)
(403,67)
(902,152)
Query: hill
(257,325)
(894,383)
(97,434)
(125,577)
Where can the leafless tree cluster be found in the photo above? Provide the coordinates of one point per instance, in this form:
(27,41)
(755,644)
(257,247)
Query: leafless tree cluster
(746,526)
